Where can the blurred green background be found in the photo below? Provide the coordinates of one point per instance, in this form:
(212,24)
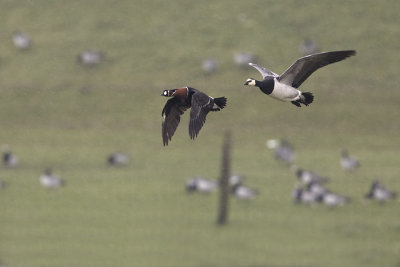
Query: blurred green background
(56,113)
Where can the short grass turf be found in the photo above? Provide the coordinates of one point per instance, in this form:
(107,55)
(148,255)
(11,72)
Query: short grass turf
(55,113)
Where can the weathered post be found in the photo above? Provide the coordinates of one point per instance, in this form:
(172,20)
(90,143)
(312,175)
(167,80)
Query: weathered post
(224,180)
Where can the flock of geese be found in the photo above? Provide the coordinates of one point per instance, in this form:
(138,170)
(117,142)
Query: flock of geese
(48,179)
(206,186)
(312,188)
(89,57)
(92,57)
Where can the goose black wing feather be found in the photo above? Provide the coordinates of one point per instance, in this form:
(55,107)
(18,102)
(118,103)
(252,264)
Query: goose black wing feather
(201,105)
(171,113)
(303,67)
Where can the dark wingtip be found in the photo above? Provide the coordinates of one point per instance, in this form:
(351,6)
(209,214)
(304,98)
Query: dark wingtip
(348,53)
(352,52)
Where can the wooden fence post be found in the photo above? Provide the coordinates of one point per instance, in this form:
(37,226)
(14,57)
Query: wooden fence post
(224,180)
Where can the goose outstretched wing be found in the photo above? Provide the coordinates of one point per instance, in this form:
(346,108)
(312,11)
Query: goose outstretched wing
(171,113)
(303,67)
(201,105)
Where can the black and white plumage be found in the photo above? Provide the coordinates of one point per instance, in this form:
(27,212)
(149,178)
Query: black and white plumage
(183,99)
(118,159)
(331,199)
(301,195)
(9,158)
(315,193)
(243,192)
(283,150)
(348,163)
(380,193)
(235,180)
(199,184)
(317,188)
(307,176)
(50,180)
(284,87)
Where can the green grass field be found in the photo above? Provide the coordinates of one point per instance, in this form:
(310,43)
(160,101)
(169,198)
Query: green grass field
(56,113)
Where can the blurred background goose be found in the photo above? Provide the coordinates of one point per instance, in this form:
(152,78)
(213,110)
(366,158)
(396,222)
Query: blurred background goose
(118,159)
(209,66)
(49,180)
(21,40)
(283,150)
(9,159)
(348,163)
(301,195)
(317,188)
(90,57)
(307,177)
(236,180)
(380,193)
(201,185)
(243,192)
(331,199)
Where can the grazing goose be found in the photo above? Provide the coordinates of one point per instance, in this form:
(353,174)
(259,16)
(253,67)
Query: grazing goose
(235,180)
(209,66)
(283,150)
(380,193)
(284,87)
(21,40)
(332,200)
(348,163)
(317,188)
(182,99)
(117,159)
(9,159)
(90,57)
(243,192)
(307,177)
(200,185)
(49,180)
(302,195)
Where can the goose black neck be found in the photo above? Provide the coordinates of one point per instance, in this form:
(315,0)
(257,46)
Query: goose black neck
(266,86)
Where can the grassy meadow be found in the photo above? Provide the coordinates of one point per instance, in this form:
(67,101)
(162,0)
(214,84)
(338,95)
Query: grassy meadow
(56,113)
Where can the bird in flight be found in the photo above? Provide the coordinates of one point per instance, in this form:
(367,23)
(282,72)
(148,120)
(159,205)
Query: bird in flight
(284,87)
(182,99)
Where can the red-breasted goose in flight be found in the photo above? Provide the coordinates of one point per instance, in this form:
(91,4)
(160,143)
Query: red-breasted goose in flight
(182,99)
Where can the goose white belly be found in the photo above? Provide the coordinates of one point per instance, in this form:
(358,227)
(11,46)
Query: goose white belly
(284,92)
